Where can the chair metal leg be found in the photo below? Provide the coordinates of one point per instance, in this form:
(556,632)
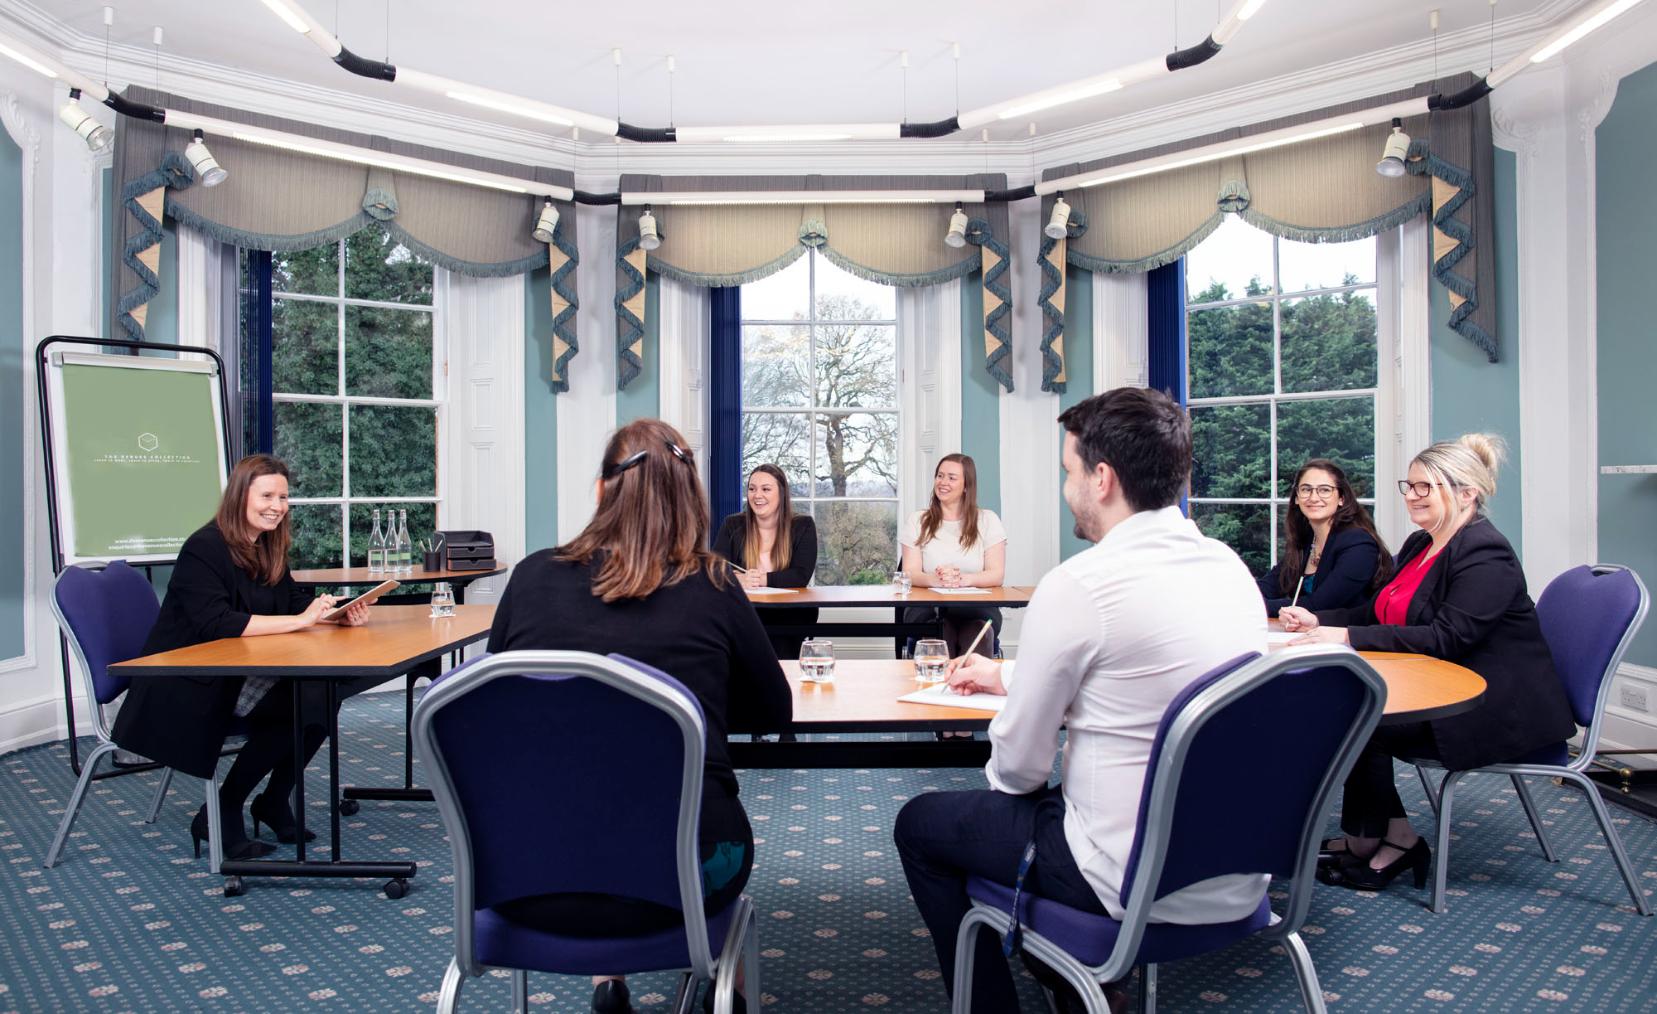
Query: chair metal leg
(975,919)
(686,996)
(449,996)
(750,963)
(520,991)
(1428,787)
(736,942)
(215,827)
(160,795)
(1612,839)
(1441,862)
(75,801)
(1147,989)
(1523,792)
(1311,992)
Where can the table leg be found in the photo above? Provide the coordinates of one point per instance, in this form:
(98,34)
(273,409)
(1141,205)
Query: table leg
(298,768)
(331,703)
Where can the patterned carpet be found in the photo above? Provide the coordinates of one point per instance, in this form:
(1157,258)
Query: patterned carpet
(130,921)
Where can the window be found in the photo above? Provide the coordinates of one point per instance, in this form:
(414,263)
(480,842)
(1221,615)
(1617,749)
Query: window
(819,400)
(1283,366)
(356,379)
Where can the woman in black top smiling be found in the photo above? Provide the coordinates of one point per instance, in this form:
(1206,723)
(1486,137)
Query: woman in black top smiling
(775,548)
(1331,550)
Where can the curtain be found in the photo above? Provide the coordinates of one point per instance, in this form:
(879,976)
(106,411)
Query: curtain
(725,411)
(1165,320)
(684,320)
(929,337)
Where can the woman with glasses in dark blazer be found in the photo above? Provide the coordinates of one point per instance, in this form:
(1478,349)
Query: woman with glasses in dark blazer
(1332,556)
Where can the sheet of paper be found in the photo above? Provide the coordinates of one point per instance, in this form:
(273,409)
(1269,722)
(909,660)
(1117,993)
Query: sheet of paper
(962,591)
(940,694)
(1280,637)
(773,591)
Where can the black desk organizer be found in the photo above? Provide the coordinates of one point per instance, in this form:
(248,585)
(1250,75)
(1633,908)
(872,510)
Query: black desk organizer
(468,550)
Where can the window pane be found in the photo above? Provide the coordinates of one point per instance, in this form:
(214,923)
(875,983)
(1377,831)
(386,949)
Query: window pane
(312,272)
(1230,350)
(388,353)
(857,454)
(309,438)
(775,366)
(1329,342)
(1246,528)
(304,339)
(778,439)
(1231,448)
(856,365)
(1233,262)
(379,267)
(421,524)
(393,451)
(785,295)
(1342,430)
(1325,265)
(857,543)
(842,295)
(316,538)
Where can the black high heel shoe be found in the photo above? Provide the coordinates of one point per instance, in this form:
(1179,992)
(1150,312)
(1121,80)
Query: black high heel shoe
(1329,856)
(611,997)
(274,814)
(1359,875)
(237,845)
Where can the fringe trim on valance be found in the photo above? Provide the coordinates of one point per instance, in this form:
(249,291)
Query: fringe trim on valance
(522,265)
(725,281)
(629,327)
(1052,328)
(264,241)
(173,172)
(1446,222)
(563,325)
(1344,234)
(997,283)
(1138,267)
(917,281)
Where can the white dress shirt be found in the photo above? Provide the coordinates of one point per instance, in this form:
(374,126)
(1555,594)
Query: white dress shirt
(1110,637)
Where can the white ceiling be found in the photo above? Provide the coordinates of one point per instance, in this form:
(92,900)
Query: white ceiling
(765,61)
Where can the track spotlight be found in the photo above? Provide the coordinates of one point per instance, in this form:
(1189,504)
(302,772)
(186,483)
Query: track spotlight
(1058,227)
(547,224)
(202,161)
(648,240)
(957,234)
(96,135)
(1398,146)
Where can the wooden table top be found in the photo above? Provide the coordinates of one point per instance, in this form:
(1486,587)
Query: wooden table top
(864,694)
(853,595)
(394,639)
(348,576)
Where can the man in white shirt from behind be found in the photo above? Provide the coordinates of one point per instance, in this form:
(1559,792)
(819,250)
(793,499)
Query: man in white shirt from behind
(1110,637)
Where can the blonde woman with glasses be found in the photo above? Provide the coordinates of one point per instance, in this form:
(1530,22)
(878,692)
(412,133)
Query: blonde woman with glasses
(1458,594)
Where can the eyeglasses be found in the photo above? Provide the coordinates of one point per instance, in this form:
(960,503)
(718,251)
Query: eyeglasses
(1417,489)
(636,457)
(1321,492)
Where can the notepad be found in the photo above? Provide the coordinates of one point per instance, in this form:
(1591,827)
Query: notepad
(1277,638)
(940,694)
(772,591)
(962,591)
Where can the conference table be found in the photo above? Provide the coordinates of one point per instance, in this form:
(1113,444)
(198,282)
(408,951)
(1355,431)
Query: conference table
(863,596)
(394,640)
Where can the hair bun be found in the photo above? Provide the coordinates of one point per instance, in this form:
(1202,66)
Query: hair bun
(1489,448)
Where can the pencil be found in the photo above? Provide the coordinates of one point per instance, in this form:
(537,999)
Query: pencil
(980,637)
(1297,591)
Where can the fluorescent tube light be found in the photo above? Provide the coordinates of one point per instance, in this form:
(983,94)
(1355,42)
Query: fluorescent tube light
(515,107)
(1059,98)
(689,198)
(344,154)
(1576,32)
(283,10)
(803,132)
(1112,176)
(27,60)
(1250,9)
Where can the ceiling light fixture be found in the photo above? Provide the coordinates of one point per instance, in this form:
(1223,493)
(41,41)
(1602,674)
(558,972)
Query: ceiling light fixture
(516,107)
(26,58)
(96,135)
(957,234)
(547,224)
(1392,156)
(202,161)
(1059,97)
(1058,227)
(1588,22)
(684,198)
(291,14)
(648,237)
(502,102)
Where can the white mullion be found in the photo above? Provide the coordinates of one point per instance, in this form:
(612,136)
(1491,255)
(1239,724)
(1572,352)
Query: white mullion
(1335,290)
(811,375)
(1350,394)
(345,414)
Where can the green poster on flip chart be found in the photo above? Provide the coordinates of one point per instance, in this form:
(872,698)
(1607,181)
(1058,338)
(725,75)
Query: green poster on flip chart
(142,457)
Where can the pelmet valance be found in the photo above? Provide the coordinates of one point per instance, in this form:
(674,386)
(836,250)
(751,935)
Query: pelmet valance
(893,244)
(280,200)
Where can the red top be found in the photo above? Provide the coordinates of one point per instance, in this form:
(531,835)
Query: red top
(1392,605)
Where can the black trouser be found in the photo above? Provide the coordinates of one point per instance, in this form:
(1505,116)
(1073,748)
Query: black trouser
(961,625)
(1370,798)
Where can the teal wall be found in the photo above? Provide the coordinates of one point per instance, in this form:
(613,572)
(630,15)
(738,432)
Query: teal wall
(643,397)
(12,349)
(1625,222)
(1470,393)
(980,397)
(1078,369)
(540,417)
(162,323)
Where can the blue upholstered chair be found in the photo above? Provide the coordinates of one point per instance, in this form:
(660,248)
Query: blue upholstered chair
(107,615)
(1589,617)
(1257,743)
(564,772)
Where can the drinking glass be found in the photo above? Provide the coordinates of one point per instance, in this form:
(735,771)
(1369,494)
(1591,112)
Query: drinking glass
(902,581)
(931,659)
(817,660)
(443,600)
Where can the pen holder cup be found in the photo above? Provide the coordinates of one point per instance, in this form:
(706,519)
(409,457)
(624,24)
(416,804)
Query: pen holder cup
(434,561)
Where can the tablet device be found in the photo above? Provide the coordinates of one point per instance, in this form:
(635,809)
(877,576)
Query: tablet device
(367,598)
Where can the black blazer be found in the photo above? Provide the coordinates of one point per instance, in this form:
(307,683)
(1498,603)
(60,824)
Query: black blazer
(1473,609)
(1350,557)
(181,721)
(802,549)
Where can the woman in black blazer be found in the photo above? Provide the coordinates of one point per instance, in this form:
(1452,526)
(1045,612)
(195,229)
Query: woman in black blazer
(1332,555)
(775,548)
(231,580)
(1459,595)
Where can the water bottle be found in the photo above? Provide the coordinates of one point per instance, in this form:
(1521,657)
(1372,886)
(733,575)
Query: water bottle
(376,547)
(405,548)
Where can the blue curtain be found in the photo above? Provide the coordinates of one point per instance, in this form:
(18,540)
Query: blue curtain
(725,415)
(257,381)
(1165,316)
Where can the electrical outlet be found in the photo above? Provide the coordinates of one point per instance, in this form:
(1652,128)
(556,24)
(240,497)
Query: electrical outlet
(1633,698)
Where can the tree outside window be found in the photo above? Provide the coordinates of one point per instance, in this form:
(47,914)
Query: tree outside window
(1283,367)
(819,400)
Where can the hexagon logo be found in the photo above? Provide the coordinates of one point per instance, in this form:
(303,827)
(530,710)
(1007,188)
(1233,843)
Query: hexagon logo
(148,442)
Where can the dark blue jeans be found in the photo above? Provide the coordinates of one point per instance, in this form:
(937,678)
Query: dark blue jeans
(945,837)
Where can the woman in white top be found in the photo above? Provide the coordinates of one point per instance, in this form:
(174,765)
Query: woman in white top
(955,544)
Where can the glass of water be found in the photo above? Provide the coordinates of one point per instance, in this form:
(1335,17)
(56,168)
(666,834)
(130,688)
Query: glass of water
(902,581)
(931,659)
(817,660)
(443,600)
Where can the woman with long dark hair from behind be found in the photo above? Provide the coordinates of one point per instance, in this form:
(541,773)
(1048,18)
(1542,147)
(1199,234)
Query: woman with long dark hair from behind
(1332,555)
(775,548)
(640,579)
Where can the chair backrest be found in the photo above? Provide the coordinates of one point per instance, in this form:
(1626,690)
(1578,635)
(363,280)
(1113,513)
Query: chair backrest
(1257,745)
(1589,615)
(566,772)
(107,615)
